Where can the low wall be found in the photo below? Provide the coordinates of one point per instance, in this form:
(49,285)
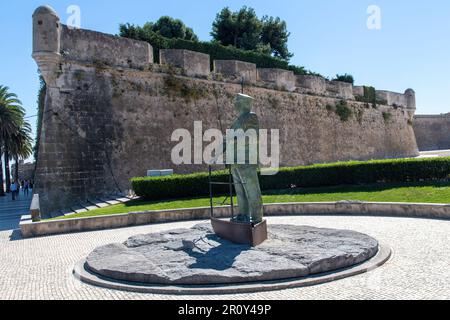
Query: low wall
(415,210)
(282,79)
(100,48)
(340,89)
(238,69)
(432,132)
(194,64)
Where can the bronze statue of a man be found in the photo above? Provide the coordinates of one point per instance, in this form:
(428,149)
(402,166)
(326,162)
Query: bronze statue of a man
(245,169)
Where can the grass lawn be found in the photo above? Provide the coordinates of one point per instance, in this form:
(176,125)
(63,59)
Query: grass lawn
(426,192)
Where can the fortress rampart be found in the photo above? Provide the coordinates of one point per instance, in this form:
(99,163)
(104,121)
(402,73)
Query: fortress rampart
(110,111)
(432,132)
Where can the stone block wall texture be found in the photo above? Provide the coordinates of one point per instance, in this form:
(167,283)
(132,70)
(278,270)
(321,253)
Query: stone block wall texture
(432,132)
(104,49)
(26,171)
(340,89)
(312,84)
(358,91)
(194,64)
(236,68)
(107,119)
(282,79)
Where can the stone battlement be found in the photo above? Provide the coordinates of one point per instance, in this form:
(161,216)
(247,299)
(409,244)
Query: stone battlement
(433,116)
(54,41)
(432,132)
(95,47)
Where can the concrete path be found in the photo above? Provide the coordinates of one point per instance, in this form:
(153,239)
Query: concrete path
(11,211)
(41,268)
(434,154)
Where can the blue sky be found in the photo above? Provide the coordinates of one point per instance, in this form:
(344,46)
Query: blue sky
(411,50)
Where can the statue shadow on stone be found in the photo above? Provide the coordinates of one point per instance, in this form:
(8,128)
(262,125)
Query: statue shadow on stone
(220,258)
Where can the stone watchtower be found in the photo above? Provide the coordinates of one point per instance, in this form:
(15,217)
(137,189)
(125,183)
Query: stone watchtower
(47,43)
(411,102)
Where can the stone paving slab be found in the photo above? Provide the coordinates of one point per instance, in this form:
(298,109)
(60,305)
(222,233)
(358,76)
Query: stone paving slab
(111,202)
(102,204)
(79,209)
(41,268)
(197,256)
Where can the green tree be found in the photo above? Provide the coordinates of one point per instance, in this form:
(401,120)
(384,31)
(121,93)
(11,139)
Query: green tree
(241,29)
(244,30)
(172,28)
(275,35)
(11,118)
(165,26)
(21,145)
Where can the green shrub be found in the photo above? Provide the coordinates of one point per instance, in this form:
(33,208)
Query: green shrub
(345,78)
(343,111)
(370,96)
(178,186)
(219,52)
(330,108)
(177,87)
(215,50)
(387,116)
(334,174)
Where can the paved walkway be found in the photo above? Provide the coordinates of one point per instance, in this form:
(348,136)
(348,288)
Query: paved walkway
(434,154)
(41,268)
(11,211)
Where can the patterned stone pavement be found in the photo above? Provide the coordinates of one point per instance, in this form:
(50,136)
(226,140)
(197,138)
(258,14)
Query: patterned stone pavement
(41,268)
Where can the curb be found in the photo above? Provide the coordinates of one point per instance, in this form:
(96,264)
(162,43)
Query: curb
(409,210)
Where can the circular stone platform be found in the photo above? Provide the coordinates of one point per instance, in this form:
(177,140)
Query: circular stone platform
(173,261)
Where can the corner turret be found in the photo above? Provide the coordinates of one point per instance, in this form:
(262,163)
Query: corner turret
(410,98)
(411,101)
(47,43)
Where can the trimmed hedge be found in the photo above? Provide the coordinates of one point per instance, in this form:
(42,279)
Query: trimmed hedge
(219,52)
(341,173)
(215,50)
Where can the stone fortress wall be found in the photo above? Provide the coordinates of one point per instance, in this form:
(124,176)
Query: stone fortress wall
(432,132)
(110,111)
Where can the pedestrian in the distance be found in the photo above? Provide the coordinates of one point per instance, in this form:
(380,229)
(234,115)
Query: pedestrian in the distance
(13,189)
(26,187)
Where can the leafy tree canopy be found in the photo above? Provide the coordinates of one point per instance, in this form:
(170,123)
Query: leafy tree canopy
(165,26)
(275,34)
(244,30)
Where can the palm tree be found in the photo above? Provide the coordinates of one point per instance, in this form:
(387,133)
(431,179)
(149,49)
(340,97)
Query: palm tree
(11,118)
(21,146)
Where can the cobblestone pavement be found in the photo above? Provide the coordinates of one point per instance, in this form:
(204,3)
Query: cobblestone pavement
(41,268)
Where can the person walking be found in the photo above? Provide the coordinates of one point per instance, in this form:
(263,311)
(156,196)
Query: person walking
(13,189)
(26,188)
